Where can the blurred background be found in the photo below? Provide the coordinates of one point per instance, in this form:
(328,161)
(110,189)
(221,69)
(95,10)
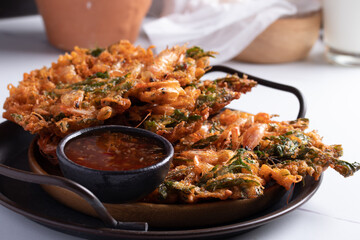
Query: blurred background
(285,27)
(15,8)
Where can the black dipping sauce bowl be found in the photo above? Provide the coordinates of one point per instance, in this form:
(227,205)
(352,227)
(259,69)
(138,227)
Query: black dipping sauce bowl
(117,186)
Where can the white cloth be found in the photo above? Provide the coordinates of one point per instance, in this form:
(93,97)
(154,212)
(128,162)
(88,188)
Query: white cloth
(224,26)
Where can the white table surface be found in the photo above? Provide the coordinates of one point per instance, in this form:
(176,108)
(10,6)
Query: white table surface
(332,94)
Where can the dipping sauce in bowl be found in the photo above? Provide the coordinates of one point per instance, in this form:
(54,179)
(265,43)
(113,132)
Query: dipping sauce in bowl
(117,163)
(114,151)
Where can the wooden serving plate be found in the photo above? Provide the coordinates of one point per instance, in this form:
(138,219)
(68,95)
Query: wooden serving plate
(159,215)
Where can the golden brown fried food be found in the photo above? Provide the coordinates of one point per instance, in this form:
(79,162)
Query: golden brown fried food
(122,84)
(235,155)
(218,155)
(72,93)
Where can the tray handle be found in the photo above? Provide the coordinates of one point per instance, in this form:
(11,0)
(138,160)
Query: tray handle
(83,192)
(267,83)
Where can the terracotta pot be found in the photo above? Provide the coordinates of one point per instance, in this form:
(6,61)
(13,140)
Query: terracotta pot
(286,40)
(91,23)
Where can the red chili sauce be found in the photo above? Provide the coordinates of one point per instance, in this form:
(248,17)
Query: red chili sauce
(114,151)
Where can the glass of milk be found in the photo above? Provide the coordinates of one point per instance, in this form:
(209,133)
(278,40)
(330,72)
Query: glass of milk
(342,31)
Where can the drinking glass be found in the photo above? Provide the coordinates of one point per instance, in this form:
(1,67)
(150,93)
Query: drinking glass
(342,31)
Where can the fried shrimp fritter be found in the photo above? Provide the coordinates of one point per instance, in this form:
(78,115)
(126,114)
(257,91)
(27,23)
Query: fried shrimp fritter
(92,87)
(234,155)
(218,154)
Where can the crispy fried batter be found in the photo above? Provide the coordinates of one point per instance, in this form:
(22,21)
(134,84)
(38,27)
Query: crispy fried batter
(226,155)
(92,87)
(235,154)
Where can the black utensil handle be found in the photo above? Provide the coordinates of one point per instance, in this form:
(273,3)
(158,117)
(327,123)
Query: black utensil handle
(267,83)
(83,192)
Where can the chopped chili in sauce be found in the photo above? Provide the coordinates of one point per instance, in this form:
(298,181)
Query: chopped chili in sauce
(114,151)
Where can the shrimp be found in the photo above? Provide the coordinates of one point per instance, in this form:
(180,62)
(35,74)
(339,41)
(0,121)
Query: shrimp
(229,138)
(60,109)
(224,139)
(235,134)
(162,109)
(104,113)
(253,135)
(208,156)
(73,98)
(159,92)
(187,100)
(201,167)
(166,61)
(118,103)
(190,139)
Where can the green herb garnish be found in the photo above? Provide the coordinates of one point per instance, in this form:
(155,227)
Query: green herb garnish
(96,52)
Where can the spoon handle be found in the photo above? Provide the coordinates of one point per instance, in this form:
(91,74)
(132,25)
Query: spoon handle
(83,192)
